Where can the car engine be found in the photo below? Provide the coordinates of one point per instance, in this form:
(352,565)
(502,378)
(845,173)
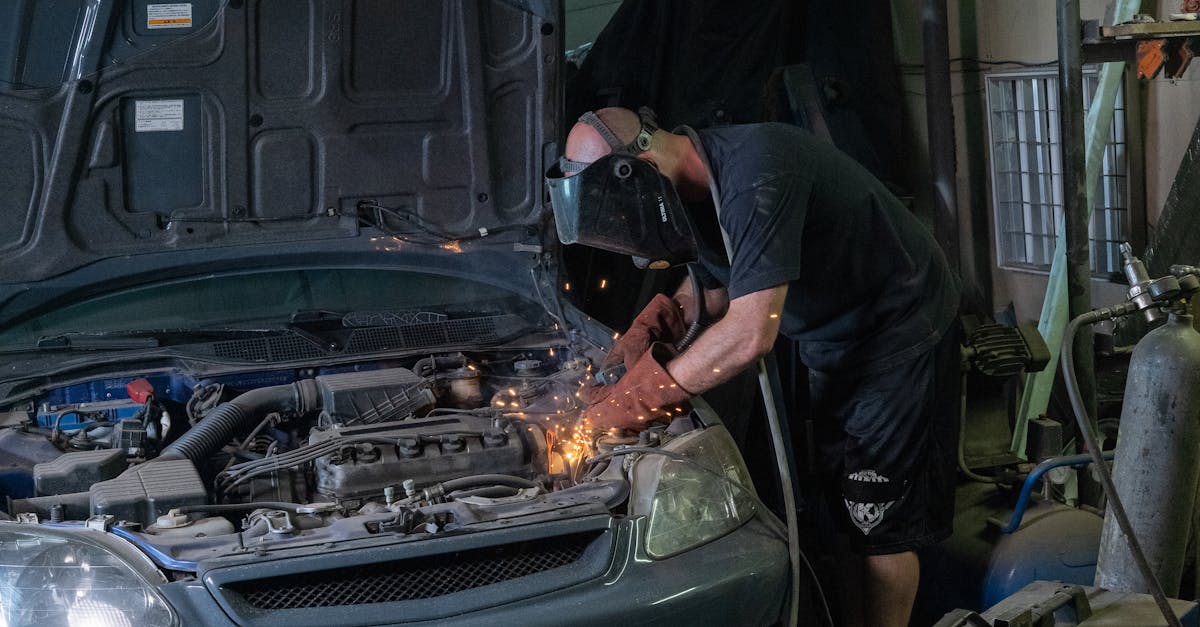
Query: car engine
(419,445)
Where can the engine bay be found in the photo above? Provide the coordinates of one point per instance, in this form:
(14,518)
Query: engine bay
(409,447)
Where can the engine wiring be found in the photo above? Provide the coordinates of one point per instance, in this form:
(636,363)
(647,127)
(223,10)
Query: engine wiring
(57,431)
(432,236)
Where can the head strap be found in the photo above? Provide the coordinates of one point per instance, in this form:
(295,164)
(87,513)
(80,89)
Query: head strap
(641,143)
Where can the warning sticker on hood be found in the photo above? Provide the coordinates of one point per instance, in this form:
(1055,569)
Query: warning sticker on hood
(158,115)
(176,15)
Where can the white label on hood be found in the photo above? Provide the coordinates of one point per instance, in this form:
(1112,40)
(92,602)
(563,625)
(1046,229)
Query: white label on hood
(158,115)
(177,15)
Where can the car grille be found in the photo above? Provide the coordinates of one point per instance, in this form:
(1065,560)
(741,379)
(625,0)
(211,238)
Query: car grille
(413,579)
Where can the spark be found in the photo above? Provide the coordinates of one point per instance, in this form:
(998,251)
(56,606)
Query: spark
(773,316)
(603,283)
(452,246)
(552,352)
(716,369)
(616,335)
(512,391)
(567,286)
(514,404)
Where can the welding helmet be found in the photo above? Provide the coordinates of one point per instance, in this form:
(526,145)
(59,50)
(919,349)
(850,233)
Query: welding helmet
(621,203)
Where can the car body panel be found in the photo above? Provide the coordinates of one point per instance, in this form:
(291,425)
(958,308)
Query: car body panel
(263,129)
(721,583)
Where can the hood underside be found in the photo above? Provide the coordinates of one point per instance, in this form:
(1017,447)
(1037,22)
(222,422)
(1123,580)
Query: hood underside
(147,135)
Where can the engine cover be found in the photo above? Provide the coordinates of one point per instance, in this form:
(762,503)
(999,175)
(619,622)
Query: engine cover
(428,451)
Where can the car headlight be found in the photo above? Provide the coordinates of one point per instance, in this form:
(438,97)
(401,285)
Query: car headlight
(73,577)
(687,503)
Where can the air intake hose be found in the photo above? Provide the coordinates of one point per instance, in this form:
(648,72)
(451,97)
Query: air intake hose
(209,435)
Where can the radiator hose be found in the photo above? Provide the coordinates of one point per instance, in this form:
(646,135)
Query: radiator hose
(208,436)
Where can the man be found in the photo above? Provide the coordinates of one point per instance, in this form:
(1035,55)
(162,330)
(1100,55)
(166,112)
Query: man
(820,251)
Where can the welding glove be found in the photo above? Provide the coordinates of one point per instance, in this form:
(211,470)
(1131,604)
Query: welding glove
(646,392)
(660,321)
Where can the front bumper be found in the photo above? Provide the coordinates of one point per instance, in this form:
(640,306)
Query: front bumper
(741,578)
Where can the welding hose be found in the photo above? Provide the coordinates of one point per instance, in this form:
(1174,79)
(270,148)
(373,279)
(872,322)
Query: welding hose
(776,427)
(789,501)
(1093,446)
(698,302)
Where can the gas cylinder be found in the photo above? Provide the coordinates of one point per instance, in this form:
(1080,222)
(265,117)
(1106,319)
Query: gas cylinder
(1157,462)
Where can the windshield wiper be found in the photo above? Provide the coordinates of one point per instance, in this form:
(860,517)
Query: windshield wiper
(308,316)
(73,341)
(131,340)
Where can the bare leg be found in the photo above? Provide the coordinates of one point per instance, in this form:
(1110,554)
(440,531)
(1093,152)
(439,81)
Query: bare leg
(889,587)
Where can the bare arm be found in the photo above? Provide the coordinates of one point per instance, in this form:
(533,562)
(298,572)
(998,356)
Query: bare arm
(745,333)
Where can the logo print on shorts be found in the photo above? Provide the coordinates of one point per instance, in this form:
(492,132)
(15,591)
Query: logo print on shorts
(866,516)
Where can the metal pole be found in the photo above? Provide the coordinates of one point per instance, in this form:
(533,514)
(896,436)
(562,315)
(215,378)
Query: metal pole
(1074,201)
(1054,318)
(939,116)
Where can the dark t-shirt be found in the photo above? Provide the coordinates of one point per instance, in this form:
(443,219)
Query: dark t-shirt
(866,280)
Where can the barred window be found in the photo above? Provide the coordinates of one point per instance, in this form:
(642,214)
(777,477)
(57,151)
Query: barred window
(1027,190)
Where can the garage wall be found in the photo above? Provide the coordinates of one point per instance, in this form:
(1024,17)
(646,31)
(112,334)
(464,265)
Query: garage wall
(992,31)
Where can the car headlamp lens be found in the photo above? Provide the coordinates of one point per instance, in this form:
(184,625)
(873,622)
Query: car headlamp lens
(688,506)
(50,578)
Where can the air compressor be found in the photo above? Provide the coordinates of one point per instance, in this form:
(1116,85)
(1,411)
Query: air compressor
(1152,489)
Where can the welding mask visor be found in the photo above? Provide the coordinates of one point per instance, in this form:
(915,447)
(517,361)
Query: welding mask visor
(624,205)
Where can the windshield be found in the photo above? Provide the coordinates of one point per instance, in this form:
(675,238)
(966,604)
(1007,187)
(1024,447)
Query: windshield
(265,300)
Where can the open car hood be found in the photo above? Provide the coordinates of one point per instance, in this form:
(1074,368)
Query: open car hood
(144,139)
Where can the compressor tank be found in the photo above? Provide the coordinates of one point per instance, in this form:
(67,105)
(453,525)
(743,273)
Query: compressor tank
(1157,462)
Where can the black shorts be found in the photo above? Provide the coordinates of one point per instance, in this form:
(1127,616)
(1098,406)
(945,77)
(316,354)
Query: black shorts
(887,441)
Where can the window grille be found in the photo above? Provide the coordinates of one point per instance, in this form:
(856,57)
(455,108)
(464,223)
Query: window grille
(1027,173)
